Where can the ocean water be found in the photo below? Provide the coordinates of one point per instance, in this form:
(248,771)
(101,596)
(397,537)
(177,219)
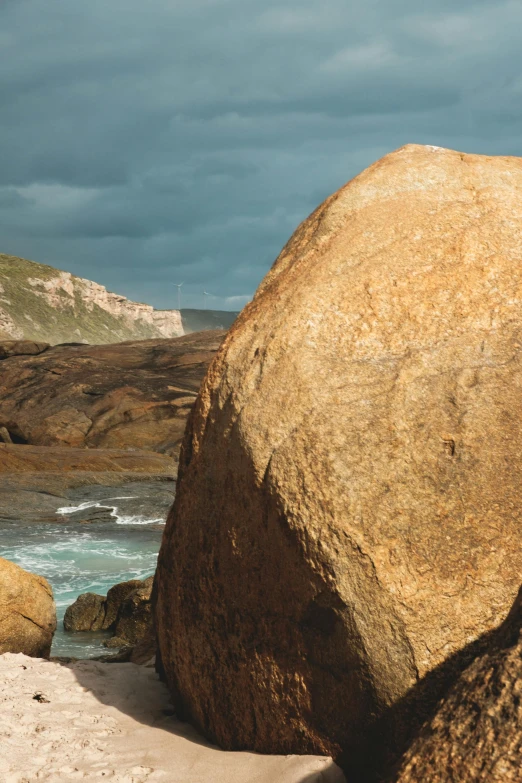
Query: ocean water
(91,544)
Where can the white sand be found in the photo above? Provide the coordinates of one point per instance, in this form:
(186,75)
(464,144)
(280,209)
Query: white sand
(107,722)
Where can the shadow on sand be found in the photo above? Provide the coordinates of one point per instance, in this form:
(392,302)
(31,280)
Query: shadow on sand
(138,692)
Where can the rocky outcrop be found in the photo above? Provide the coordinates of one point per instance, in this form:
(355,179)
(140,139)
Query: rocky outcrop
(36,480)
(32,461)
(38,302)
(87,613)
(130,395)
(126,611)
(115,598)
(476,733)
(21,348)
(348,513)
(27,612)
(134,619)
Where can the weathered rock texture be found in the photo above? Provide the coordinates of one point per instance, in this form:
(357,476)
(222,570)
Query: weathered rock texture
(115,598)
(27,612)
(21,348)
(135,394)
(38,302)
(126,610)
(348,513)
(134,621)
(87,613)
(476,734)
(33,461)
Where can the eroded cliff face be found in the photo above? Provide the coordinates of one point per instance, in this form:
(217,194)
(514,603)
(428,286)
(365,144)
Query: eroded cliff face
(38,302)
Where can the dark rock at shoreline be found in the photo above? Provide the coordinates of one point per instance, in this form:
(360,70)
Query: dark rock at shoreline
(134,619)
(36,480)
(115,598)
(117,396)
(126,610)
(27,612)
(87,613)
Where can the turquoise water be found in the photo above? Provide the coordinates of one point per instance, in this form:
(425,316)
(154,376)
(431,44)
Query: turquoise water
(95,544)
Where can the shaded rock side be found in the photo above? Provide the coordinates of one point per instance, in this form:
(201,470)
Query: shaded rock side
(115,598)
(87,613)
(126,610)
(348,514)
(41,303)
(127,395)
(134,621)
(27,612)
(476,733)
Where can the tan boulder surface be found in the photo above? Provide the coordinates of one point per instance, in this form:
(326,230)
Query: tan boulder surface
(476,734)
(27,612)
(117,396)
(21,348)
(348,513)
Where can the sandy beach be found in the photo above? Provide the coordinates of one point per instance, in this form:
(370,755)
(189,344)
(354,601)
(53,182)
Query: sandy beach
(98,721)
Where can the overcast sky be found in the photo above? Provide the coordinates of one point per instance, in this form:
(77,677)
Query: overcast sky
(150,143)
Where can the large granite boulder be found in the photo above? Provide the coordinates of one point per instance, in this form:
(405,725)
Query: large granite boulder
(348,515)
(27,612)
(476,733)
(124,395)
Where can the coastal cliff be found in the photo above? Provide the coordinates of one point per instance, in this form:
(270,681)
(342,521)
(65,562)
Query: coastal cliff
(38,302)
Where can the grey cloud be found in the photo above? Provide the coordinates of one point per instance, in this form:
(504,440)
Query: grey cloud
(146,142)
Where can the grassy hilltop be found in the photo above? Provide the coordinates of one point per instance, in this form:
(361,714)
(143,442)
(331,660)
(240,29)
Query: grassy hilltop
(38,302)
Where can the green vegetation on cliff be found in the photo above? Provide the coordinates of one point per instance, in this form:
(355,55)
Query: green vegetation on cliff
(38,302)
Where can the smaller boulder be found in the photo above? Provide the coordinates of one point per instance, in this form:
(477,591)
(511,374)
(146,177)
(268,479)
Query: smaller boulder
(27,612)
(126,611)
(476,733)
(21,348)
(115,598)
(87,613)
(135,620)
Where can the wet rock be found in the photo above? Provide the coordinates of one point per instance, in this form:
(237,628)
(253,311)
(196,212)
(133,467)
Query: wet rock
(87,613)
(135,622)
(115,598)
(126,610)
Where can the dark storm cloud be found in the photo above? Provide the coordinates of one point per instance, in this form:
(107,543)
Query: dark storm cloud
(168,141)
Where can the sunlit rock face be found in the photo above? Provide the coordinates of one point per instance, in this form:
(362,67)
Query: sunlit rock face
(27,612)
(348,514)
(135,394)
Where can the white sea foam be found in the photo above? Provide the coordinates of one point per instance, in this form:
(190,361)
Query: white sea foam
(113,511)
